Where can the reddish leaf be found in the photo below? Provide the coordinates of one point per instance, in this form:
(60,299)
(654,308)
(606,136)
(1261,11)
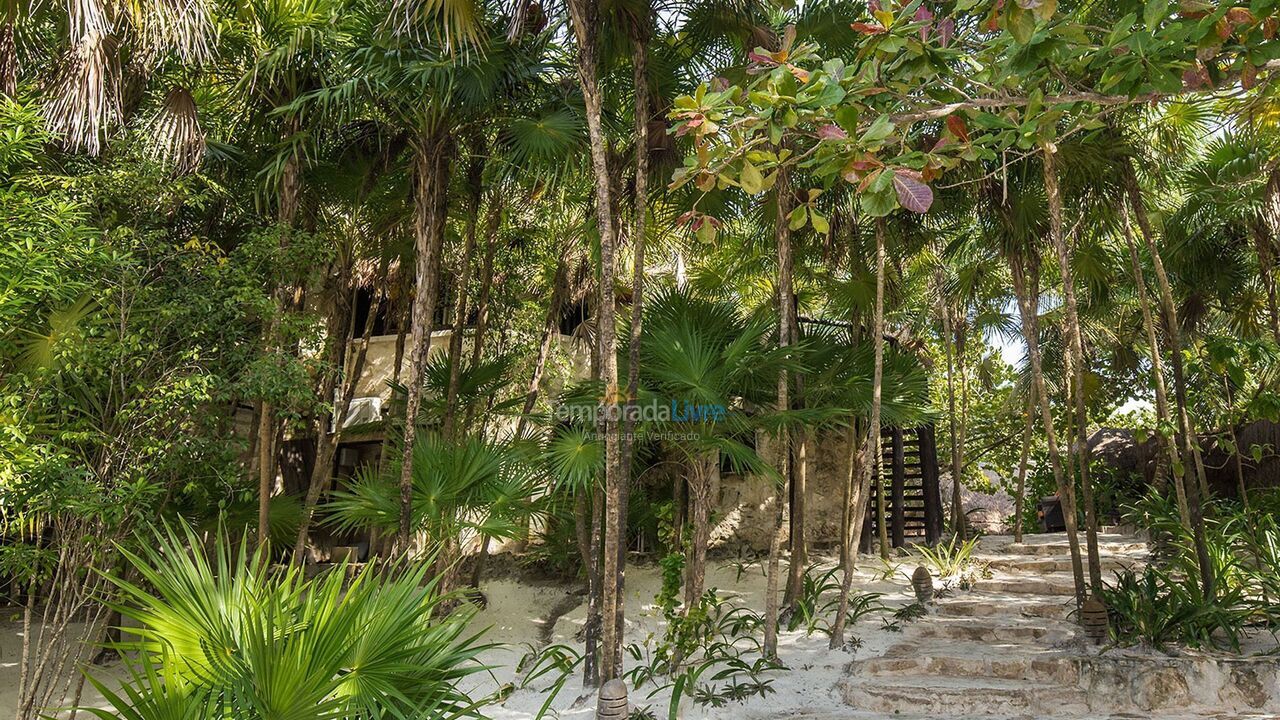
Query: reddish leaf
(956,125)
(868,28)
(867,180)
(912,194)
(1248,76)
(761,58)
(1192,79)
(832,132)
(1269,28)
(866,163)
(946,30)
(874,6)
(942,142)
(1239,16)
(930,173)
(923,16)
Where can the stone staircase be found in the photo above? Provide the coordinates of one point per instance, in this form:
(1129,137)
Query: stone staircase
(1011,649)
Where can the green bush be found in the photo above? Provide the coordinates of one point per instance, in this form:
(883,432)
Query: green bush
(223,633)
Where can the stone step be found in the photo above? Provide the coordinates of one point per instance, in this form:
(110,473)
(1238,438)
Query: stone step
(978,661)
(1056,544)
(1049,585)
(943,696)
(978,604)
(998,630)
(1060,564)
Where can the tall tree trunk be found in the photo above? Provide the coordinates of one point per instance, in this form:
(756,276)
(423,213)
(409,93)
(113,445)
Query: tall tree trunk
(798,492)
(1020,495)
(1075,351)
(475,169)
(591,670)
(872,445)
(584,16)
(1066,493)
(782,234)
(1164,419)
(863,463)
(268,424)
(639,221)
(1173,331)
(431,183)
(953,413)
(848,540)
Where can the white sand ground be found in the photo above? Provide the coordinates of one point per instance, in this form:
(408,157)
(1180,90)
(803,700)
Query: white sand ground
(517,610)
(514,618)
(807,687)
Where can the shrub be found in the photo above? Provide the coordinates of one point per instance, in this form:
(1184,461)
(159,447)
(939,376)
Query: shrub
(223,633)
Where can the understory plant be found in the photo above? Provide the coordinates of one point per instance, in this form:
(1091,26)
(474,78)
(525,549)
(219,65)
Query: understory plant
(954,561)
(223,633)
(1165,604)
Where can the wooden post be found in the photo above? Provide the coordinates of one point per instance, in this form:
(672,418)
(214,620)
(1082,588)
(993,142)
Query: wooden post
(899,497)
(932,492)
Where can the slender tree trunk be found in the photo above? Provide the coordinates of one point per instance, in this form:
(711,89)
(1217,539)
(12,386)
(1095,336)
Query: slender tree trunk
(1235,445)
(591,670)
(584,16)
(549,328)
(1075,350)
(705,471)
(464,287)
(326,444)
(799,491)
(854,508)
(431,171)
(782,233)
(8,61)
(268,426)
(639,220)
(337,323)
(1066,493)
(1163,418)
(1265,249)
(1173,332)
(953,416)
(1020,496)
(877,381)
(863,462)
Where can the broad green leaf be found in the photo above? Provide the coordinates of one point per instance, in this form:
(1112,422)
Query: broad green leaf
(1154,12)
(879,130)
(820,224)
(751,179)
(798,217)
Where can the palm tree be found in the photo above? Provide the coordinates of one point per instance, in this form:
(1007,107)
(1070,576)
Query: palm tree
(716,369)
(469,485)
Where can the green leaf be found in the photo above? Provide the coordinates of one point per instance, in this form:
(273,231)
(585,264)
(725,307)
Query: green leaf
(879,130)
(1154,12)
(1020,23)
(751,179)
(798,217)
(820,224)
